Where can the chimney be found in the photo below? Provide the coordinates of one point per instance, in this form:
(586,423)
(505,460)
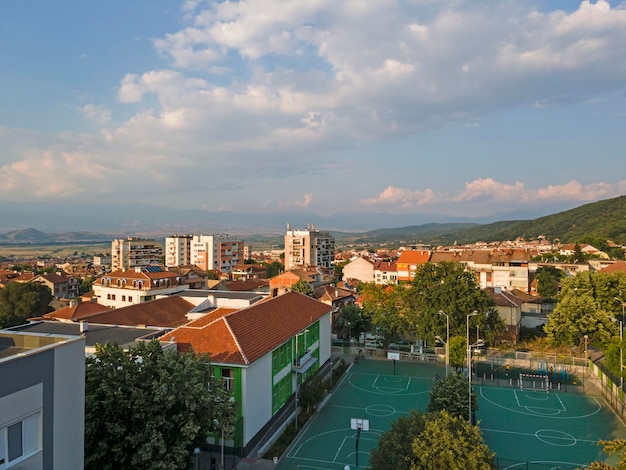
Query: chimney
(84,326)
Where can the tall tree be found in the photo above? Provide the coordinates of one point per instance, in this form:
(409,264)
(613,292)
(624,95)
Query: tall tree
(22,300)
(549,281)
(353,321)
(589,304)
(149,408)
(451,442)
(451,394)
(452,289)
(392,319)
(395,445)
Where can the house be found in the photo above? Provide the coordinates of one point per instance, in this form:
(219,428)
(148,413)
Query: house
(42,395)
(133,286)
(60,284)
(241,285)
(75,311)
(409,262)
(192,275)
(284,282)
(248,271)
(509,308)
(360,268)
(385,272)
(262,353)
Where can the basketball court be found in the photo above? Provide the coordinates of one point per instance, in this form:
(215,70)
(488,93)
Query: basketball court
(527,428)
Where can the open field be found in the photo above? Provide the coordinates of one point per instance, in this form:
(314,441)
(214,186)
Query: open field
(59,250)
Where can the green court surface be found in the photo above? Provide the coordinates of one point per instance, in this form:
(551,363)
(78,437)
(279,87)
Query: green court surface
(528,429)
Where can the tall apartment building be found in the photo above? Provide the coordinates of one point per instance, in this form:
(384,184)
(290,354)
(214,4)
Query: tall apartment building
(134,252)
(310,247)
(220,252)
(178,250)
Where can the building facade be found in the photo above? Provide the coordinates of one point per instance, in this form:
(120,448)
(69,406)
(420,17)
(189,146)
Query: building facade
(178,250)
(132,252)
(42,417)
(209,252)
(310,247)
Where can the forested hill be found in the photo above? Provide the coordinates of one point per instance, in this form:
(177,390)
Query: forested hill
(604,220)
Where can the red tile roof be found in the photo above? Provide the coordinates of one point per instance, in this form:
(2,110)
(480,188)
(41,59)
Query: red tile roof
(245,335)
(76,312)
(413,257)
(168,312)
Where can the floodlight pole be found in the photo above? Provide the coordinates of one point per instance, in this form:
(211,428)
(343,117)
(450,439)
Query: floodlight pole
(469,367)
(441,312)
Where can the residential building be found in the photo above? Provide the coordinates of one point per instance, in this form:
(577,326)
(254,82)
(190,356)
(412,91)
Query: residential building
(385,272)
(284,282)
(409,262)
(133,252)
(248,271)
(42,395)
(359,268)
(193,276)
(60,284)
(262,353)
(133,286)
(215,252)
(178,250)
(310,247)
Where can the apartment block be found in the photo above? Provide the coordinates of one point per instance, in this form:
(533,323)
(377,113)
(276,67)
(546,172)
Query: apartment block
(178,250)
(216,252)
(310,247)
(133,252)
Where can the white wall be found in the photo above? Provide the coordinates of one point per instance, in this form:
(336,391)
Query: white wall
(257,396)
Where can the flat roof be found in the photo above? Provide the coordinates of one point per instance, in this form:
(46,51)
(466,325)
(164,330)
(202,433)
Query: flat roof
(95,334)
(19,343)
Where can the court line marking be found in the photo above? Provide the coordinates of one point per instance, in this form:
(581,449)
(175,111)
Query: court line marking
(512,410)
(526,434)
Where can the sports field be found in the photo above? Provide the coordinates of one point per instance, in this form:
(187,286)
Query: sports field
(528,429)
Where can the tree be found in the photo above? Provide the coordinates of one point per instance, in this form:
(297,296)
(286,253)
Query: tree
(549,281)
(452,289)
(212,275)
(589,304)
(85,284)
(615,447)
(451,442)
(391,316)
(303,287)
(149,408)
(458,352)
(450,394)
(395,446)
(273,269)
(22,300)
(353,321)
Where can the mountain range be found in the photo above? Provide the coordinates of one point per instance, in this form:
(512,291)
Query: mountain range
(604,219)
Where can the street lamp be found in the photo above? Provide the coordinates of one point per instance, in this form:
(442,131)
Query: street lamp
(441,312)
(469,366)
(217,423)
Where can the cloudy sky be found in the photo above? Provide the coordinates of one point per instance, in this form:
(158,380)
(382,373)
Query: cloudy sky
(417,106)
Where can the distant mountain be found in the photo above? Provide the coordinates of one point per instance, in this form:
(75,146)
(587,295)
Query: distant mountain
(37,237)
(603,219)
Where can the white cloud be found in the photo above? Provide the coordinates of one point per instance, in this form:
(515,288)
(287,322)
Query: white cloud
(488,191)
(305,202)
(96,113)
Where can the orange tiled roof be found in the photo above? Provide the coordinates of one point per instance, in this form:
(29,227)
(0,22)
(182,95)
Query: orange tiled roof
(618,266)
(245,335)
(413,257)
(168,312)
(76,312)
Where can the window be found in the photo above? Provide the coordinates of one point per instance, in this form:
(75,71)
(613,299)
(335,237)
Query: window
(19,440)
(123,298)
(228,377)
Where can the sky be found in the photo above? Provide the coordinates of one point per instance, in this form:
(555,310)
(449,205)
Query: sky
(457,107)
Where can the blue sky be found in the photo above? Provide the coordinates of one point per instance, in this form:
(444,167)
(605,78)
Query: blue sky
(457,107)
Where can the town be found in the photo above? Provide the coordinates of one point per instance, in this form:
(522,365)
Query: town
(268,323)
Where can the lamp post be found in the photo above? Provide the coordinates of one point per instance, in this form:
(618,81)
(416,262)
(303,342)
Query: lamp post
(217,423)
(586,360)
(469,367)
(441,312)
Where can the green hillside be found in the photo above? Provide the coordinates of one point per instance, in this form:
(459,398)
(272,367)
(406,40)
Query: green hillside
(603,219)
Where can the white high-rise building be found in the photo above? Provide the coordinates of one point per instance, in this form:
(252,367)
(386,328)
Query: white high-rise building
(310,247)
(178,250)
(132,252)
(211,252)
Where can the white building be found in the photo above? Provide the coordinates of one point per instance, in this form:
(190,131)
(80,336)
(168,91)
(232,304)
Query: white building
(359,268)
(134,286)
(135,252)
(310,247)
(210,252)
